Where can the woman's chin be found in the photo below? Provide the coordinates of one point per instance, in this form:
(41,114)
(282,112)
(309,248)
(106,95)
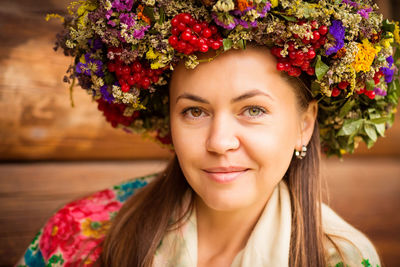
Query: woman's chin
(226,202)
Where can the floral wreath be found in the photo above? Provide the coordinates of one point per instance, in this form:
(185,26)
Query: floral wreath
(125,52)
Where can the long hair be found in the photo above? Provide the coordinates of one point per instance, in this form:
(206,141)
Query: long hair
(145,218)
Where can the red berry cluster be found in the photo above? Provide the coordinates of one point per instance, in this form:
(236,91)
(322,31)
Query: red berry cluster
(114,113)
(341,86)
(371,93)
(134,74)
(298,60)
(190,35)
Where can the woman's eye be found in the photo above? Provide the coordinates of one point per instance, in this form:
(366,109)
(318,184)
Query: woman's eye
(193,112)
(254,111)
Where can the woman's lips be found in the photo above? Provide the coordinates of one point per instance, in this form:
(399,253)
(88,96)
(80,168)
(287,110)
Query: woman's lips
(225,175)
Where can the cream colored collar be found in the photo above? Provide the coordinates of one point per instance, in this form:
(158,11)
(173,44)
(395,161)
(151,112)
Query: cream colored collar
(268,244)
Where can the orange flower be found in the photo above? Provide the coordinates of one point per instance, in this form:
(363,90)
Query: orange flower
(141,16)
(243,4)
(341,53)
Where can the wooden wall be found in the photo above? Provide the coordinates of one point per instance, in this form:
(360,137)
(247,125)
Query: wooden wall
(38,124)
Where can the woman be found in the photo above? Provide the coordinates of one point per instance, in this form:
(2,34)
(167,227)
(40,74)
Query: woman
(243,188)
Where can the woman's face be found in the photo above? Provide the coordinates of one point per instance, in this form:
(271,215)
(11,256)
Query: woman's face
(235,123)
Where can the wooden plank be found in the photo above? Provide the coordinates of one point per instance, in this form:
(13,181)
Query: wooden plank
(364,191)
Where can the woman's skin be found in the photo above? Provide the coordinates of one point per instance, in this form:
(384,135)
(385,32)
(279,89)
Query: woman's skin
(235,124)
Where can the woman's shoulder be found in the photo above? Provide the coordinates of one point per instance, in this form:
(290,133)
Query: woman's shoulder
(354,246)
(77,229)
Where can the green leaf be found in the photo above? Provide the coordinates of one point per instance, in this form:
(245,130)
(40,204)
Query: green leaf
(379,120)
(370,85)
(396,56)
(227,44)
(380,128)
(350,127)
(288,18)
(320,68)
(242,44)
(370,130)
(346,108)
(149,12)
(162,16)
(388,26)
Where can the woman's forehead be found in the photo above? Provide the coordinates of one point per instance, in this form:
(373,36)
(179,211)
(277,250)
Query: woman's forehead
(237,70)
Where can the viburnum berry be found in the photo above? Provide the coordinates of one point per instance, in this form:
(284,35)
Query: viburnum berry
(111,66)
(343,85)
(311,54)
(316,36)
(173,40)
(175,22)
(197,28)
(186,36)
(291,46)
(136,66)
(314,24)
(206,33)
(125,87)
(310,71)
(145,83)
(370,94)
(335,92)
(280,66)
(215,45)
(175,31)
(185,18)
(131,81)
(361,91)
(204,48)
(323,29)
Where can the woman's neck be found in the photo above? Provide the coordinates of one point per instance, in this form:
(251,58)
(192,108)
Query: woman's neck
(223,234)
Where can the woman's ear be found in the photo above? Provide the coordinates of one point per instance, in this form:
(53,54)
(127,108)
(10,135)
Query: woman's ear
(307,122)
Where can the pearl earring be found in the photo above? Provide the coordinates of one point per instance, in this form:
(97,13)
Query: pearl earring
(301,154)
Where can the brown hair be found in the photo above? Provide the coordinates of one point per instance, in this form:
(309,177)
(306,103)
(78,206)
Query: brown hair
(145,218)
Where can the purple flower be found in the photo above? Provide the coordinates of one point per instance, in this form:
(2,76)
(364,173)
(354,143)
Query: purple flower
(139,34)
(364,12)
(350,3)
(388,74)
(82,68)
(229,26)
(337,31)
(379,91)
(127,19)
(264,11)
(112,23)
(122,5)
(86,69)
(390,60)
(96,44)
(106,95)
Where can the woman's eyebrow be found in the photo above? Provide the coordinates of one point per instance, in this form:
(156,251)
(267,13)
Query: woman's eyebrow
(249,94)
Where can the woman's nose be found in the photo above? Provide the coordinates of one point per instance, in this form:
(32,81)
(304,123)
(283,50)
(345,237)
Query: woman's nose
(222,135)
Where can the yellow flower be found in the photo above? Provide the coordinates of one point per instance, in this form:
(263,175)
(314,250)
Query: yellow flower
(396,32)
(274,3)
(156,59)
(150,54)
(364,57)
(82,59)
(95,229)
